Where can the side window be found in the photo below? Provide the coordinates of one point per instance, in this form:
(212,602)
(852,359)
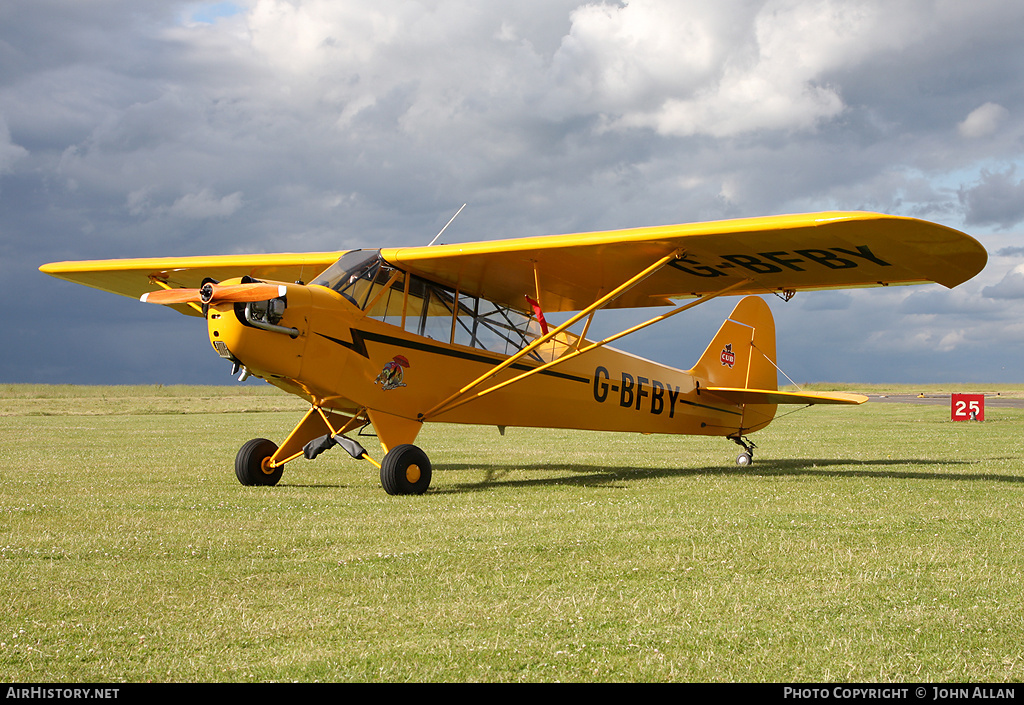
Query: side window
(386,296)
(417,290)
(439,313)
(465,322)
(500,329)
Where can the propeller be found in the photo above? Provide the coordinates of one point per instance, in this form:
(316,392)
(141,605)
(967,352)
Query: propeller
(217,293)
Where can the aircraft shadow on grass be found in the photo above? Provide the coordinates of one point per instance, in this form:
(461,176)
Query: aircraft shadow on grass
(593,476)
(589,475)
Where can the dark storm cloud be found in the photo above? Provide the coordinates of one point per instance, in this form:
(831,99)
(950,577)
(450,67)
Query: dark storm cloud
(150,128)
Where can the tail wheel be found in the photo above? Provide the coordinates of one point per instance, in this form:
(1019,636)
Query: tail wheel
(405,470)
(747,456)
(252,464)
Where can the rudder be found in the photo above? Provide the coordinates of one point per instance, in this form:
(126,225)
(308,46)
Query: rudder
(742,353)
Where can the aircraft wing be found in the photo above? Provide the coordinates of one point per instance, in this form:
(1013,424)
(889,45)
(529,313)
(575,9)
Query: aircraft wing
(834,250)
(135,277)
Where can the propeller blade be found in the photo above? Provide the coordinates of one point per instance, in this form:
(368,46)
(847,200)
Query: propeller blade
(172,296)
(244,293)
(214,293)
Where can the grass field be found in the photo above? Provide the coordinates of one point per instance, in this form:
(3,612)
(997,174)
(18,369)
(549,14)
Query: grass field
(876,543)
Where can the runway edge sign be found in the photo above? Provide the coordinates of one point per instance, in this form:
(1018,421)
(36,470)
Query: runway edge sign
(967,407)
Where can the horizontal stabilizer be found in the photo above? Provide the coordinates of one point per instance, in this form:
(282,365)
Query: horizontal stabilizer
(768,396)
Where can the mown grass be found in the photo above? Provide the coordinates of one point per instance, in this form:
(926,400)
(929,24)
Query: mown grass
(877,543)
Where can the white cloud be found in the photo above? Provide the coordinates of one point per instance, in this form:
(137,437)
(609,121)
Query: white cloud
(198,205)
(1010,287)
(983,121)
(205,204)
(719,69)
(306,37)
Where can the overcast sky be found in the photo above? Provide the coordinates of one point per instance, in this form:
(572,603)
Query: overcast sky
(133,128)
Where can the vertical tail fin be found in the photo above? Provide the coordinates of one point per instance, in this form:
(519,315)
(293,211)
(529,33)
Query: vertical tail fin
(741,356)
(742,353)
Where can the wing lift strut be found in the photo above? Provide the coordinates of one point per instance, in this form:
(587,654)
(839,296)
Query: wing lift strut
(467,393)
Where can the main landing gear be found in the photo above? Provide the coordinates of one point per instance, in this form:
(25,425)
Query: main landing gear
(252,464)
(405,469)
(747,456)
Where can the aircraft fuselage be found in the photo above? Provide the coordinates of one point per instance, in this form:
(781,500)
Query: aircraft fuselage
(343,359)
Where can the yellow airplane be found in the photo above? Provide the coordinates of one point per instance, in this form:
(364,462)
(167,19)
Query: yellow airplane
(397,337)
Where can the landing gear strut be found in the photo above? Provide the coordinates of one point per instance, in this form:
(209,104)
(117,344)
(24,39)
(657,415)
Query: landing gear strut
(747,456)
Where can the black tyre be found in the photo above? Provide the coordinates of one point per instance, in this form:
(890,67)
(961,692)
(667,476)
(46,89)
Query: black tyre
(251,463)
(405,470)
(744,459)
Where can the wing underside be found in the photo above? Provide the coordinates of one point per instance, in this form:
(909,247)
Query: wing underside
(758,255)
(135,277)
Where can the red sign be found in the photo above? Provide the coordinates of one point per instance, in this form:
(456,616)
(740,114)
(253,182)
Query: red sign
(967,407)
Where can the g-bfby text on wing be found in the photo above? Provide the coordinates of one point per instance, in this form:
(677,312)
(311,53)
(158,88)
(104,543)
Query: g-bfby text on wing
(832,250)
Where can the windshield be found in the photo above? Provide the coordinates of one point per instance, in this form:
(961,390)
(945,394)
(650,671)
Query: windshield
(352,266)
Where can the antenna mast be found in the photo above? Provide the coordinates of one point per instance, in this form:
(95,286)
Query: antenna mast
(446,225)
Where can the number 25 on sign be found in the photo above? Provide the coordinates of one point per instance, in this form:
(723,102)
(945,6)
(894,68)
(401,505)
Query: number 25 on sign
(967,407)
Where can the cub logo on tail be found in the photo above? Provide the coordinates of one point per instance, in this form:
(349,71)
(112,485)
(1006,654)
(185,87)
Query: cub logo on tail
(728,356)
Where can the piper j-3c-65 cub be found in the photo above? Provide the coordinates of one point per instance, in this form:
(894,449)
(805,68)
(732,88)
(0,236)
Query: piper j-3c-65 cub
(456,333)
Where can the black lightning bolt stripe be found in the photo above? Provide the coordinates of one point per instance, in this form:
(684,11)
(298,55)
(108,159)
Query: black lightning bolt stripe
(359,338)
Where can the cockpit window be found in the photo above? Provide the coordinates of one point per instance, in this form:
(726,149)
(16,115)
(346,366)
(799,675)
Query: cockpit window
(352,275)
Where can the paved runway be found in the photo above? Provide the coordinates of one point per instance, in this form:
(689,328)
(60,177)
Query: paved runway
(993,400)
